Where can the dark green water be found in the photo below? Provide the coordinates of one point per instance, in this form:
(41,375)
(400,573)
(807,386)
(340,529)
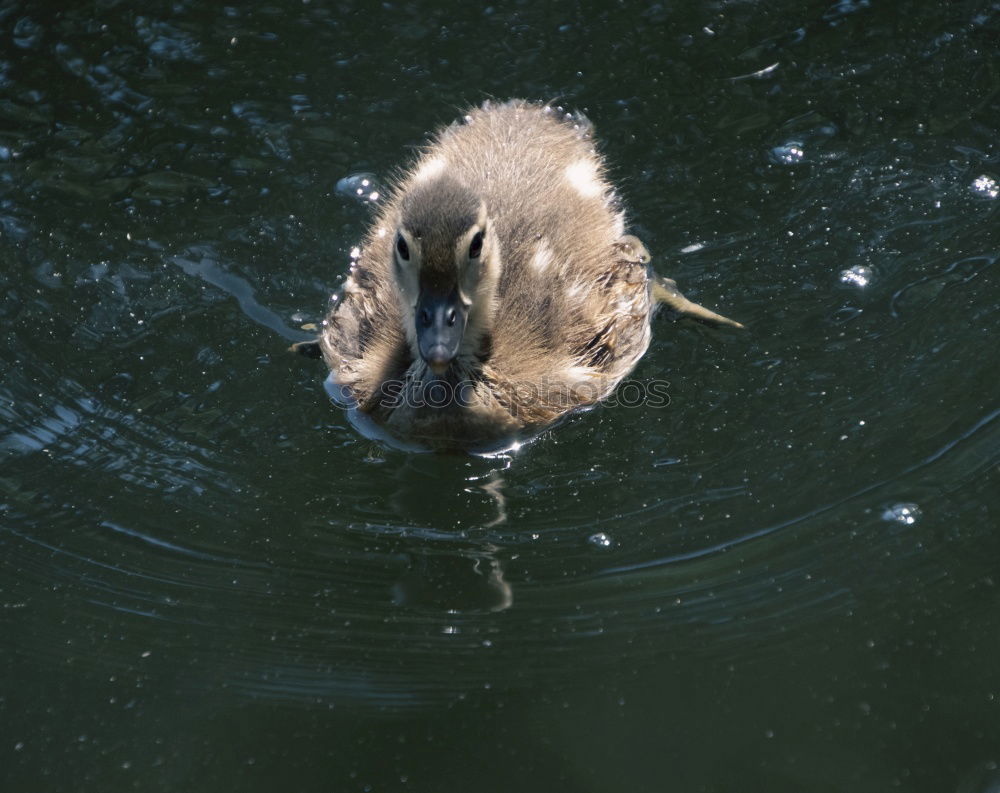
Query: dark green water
(786,580)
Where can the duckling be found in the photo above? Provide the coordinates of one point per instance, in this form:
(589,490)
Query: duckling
(497,289)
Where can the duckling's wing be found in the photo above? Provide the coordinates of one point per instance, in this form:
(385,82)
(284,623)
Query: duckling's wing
(363,340)
(631,249)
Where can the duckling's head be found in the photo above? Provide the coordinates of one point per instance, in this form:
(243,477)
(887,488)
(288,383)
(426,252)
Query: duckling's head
(446,265)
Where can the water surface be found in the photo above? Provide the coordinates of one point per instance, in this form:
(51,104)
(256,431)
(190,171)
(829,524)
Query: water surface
(785,579)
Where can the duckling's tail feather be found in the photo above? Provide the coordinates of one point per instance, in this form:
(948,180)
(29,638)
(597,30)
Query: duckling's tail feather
(665,291)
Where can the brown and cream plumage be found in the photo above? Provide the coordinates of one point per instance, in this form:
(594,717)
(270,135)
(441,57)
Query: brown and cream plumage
(497,289)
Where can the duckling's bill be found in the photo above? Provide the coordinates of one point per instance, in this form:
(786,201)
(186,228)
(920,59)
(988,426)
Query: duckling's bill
(441,318)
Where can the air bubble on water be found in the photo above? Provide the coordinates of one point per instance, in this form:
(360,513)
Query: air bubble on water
(859,275)
(360,186)
(790,153)
(907,514)
(600,540)
(985,186)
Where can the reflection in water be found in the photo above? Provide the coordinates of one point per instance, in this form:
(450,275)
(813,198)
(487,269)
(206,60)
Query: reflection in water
(206,267)
(984,778)
(457,584)
(458,571)
(493,486)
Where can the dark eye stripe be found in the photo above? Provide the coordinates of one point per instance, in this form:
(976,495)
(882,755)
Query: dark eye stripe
(402,248)
(476,246)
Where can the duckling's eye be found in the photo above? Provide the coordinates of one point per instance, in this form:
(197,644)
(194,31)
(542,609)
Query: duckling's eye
(402,248)
(476,246)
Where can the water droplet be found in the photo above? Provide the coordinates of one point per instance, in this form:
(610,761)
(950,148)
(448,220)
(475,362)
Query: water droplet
(907,514)
(360,186)
(600,540)
(859,275)
(985,186)
(790,153)
(846,314)
(27,33)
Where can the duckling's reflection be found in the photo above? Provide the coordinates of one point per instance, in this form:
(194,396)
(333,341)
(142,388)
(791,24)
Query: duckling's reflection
(469,576)
(453,493)
(462,583)
(492,484)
